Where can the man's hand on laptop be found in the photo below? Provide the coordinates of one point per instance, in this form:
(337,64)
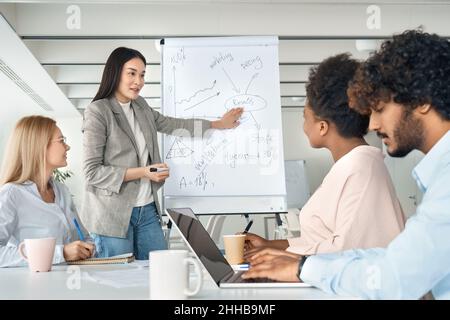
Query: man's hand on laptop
(260,255)
(281,268)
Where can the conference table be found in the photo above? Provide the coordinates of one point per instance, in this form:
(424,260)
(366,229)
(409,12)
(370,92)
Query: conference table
(124,282)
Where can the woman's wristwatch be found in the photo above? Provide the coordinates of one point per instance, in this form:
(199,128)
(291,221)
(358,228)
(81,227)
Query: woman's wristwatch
(301,262)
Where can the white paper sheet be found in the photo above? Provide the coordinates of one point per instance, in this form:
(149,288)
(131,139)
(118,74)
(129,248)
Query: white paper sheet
(137,277)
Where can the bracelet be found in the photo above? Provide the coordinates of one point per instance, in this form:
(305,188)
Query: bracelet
(301,262)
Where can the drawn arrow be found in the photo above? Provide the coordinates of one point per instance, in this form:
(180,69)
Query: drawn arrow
(232,83)
(251,80)
(214,95)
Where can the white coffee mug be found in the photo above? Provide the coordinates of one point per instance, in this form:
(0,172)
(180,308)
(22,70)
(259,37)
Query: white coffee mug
(169,275)
(39,253)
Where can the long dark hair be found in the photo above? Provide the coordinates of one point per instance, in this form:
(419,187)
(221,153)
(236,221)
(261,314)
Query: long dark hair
(113,68)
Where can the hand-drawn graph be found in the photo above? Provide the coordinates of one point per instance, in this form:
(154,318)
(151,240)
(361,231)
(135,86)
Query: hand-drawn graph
(196,93)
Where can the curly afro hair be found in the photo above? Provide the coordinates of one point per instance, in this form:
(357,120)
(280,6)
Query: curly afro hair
(326,92)
(412,69)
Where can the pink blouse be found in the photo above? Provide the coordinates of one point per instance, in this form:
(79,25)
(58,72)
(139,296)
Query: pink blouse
(355,207)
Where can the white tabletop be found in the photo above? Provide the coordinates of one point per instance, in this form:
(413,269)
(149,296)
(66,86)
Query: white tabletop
(72,282)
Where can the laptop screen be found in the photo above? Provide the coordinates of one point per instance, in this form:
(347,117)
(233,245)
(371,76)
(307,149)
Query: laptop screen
(200,241)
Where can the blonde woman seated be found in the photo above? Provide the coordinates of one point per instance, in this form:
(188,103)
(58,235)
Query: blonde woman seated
(356,205)
(32,204)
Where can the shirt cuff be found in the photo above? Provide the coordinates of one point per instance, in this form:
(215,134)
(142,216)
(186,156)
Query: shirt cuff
(59,254)
(313,270)
(324,271)
(118,178)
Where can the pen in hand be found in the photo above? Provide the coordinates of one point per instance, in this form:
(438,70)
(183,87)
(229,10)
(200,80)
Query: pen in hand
(77,226)
(248,227)
(158,169)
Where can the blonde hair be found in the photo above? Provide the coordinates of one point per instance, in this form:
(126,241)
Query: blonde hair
(26,154)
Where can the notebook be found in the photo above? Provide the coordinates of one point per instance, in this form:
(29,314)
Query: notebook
(122,258)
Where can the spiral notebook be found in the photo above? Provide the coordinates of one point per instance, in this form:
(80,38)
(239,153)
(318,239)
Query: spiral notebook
(122,258)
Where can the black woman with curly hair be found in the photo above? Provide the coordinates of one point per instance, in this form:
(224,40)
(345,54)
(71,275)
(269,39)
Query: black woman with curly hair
(355,207)
(405,87)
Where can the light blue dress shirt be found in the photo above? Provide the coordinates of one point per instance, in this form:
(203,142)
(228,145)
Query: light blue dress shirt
(415,262)
(24,215)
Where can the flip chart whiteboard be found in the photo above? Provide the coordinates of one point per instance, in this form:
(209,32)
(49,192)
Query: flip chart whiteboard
(233,170)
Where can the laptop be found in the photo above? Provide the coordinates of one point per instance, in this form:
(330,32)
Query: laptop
(203,246)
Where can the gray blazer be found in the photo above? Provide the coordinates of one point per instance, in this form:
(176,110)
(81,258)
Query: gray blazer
(110,148)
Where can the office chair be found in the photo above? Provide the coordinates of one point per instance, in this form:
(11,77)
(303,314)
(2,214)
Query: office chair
(214,227)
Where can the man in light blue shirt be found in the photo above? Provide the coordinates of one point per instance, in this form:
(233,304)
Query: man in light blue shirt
(405,86)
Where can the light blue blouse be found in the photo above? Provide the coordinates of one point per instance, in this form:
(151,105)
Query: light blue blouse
(24,215)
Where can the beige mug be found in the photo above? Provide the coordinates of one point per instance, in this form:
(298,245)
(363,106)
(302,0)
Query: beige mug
(39,253)
(234,248)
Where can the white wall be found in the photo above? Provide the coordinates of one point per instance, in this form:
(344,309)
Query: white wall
(8,10)
(4,135)
(71,129)
(406,188)
(211,18)
(296,146)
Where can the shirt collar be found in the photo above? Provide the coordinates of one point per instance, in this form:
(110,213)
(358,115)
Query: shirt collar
(433,161)
(32,185)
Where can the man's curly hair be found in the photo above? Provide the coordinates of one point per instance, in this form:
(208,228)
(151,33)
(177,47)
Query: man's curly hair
(412,69)
(326,92)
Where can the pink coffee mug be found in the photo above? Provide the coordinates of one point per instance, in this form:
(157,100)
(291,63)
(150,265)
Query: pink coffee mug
(39,253)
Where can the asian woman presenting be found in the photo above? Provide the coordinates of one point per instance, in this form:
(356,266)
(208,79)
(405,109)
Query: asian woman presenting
(120,207)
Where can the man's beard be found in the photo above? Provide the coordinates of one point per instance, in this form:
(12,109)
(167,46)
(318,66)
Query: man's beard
(408,135)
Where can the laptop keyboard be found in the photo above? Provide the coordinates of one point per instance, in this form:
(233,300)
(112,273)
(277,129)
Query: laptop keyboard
(237,278)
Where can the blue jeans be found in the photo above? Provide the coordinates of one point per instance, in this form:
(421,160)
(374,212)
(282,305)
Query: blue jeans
(144,235)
